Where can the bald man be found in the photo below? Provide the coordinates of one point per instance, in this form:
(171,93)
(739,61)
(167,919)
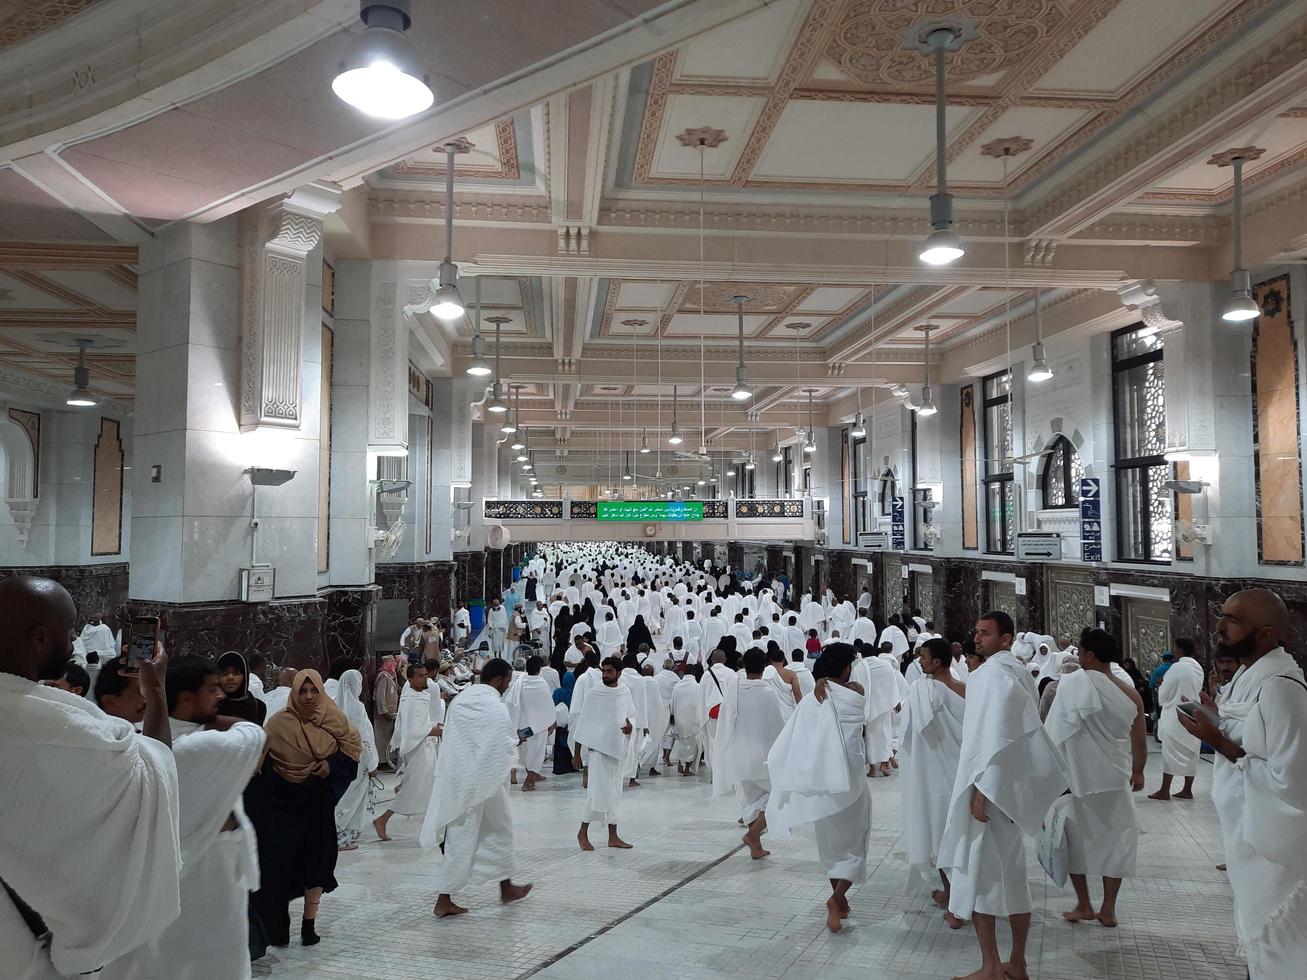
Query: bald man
(1259,782)
(78,775)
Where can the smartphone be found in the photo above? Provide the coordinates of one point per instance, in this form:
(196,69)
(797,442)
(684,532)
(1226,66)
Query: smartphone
(525,732)
(144,634)
(1195,710)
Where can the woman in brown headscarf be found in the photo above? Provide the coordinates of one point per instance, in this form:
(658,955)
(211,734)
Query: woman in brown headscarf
(312,757)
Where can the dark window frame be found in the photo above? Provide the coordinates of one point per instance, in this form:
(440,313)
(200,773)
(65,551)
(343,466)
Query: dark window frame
(1062,451)
(1123,468)
(1006,546)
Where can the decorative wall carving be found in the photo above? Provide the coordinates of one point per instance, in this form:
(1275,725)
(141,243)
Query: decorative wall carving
(107,492)
(324,452)
(714,509)
(892,583)
(1070,604)
(388,371)
(275,244)
(523,510)
(1003,596)
(1277,453)
(751,509)
(970,514)
(583,509)
(1147,632)
(30,423)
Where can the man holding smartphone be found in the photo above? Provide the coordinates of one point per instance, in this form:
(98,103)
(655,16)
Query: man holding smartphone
(78,775)
(1259,783)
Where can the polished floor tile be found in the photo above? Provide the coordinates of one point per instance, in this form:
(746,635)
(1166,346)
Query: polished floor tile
(687,903)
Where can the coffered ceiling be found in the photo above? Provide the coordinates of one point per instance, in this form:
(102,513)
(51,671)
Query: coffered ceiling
(631,167)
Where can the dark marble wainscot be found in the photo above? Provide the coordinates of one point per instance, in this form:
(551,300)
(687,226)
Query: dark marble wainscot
(349,624)
(960,592)
(96,589)
(735,556)
(839,574)
(470,568)
(428,586)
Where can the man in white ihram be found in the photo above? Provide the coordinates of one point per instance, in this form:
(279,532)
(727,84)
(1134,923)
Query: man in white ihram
(468,816)
(417,733)
(1008,776)
(751,718)
(1097,721)
(71,773)
(932,743)
(604,726)
(1182,682)
(530,704)
(1259,783)
(497,626)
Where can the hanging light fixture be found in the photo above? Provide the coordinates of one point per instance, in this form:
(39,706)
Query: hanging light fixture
(1241,305)
(80,395)
(446,302)
(810,444)
(627,475)
(859,430)
(1039,369)
(497,403)
(943,244)
(674,438)
(644,441)
(741,392)
(507,427)
(517,443)
(927,406)
(478,368)
(776,455)
(381,75)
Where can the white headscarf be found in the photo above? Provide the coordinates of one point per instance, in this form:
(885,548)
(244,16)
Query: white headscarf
(349,698)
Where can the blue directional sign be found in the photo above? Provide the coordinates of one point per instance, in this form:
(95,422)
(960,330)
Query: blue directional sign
(898,536)
(1091,520)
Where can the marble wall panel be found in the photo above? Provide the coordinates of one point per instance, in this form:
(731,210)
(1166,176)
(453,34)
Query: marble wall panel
(96,589)
(839,570)
(426,585)
(1277,456)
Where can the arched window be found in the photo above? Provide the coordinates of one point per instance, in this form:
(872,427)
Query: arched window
(889,489)
(1063,471)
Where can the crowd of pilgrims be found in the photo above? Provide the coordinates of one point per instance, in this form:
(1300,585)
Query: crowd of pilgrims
(216,804)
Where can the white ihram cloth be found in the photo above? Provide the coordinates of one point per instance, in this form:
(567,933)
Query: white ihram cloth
(612,754)
(419,712)
(882,694)
(811,615)
(897,721)
(863,629)
(659,713)
(1090,723)
(468,810)
(277,699)
(817,770)
(592,678)
(842,617)
(932,743)
(1262,802)
(959,669)
(688,718)
(717,681)
(530,704)
(898,641)
(751,718)
(99,639)
(219,868)
(1007,755)
(783,690)
(90,778)
(608,637)
(352,809)
(1182,682)
(634,682)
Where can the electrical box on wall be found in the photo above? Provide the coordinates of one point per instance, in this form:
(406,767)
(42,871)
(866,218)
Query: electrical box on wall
(257,584)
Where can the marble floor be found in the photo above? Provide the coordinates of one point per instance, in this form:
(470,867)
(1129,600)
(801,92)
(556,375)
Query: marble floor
(688,903)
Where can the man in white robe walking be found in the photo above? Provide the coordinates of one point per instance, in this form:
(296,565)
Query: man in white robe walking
(417,729)
(73,774)
(496,626)
(816,770)
(932,743)
(1008,776)
(880,683)
(468,816)
(1259,785)
(216,757)
(1097,721)
(687,715)
(751,718)
(1183,681)
(605,725)
(530,704)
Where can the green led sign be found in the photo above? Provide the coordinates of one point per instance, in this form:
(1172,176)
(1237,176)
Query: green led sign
(651,510)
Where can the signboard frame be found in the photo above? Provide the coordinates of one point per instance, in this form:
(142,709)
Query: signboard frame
(1039,546)
(874,540)
(649,511)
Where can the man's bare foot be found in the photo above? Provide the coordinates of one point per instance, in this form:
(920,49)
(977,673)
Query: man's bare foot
(633,783)
(445,907)
(584,841)
(688,772)
(379,825)
(348,847)
(844,907)
(1220,867)
(871,772)
(509,892)
(615,841)
(528,787)
(1079,914)
(983,974)
(894,761)
(1160,795)
(953,922)
(654,772)
(1015,970)
(755,847)
(884,769)
(1184,794)
(834,914)
(939,898)
(539,777)
(1106,920)
(512,777)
